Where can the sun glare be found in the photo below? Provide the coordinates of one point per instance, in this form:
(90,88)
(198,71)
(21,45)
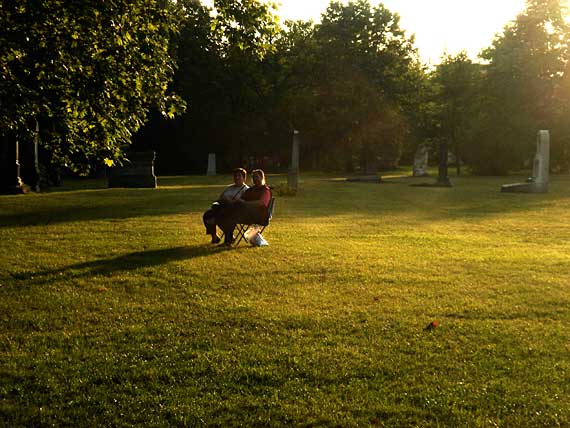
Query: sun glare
(440,26)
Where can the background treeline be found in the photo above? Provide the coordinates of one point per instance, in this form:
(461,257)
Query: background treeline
(353,85)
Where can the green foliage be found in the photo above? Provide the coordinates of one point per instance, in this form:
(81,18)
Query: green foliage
(453,104)
(115,312)
(221,76)
(523,89)
(363,87)
(349,84)
(283,189)
(87,71)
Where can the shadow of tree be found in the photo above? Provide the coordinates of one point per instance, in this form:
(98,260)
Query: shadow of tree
(106,205)
(122,263)
(472,197)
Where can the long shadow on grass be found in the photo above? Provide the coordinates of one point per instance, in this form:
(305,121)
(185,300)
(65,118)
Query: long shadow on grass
(123,263)
(108,204)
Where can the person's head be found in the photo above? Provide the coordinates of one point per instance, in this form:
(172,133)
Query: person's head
(239,176)
(258,177)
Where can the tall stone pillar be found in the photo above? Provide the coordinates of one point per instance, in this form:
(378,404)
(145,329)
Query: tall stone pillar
(541,165)
(34,177)
(10,183)
(293,177)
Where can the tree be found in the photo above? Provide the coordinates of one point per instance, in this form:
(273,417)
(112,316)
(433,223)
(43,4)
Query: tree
(87,72)
(456,81)
(366,75)
(221,75)
(522,89)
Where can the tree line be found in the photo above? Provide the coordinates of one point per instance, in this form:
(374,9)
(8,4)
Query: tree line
(94,78)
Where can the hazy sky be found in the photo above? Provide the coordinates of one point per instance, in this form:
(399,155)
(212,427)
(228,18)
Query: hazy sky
(439,25)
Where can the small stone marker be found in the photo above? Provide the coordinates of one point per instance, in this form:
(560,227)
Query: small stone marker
(538,183)
(137,171)
(421,161)
(211,164)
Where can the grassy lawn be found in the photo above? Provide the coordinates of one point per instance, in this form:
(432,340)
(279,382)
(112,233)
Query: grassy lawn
(115,311)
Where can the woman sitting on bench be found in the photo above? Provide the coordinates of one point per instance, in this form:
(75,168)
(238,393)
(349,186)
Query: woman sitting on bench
(250,208)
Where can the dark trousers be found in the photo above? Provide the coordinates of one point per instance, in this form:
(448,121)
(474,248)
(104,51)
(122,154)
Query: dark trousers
(210,218)
(228,218)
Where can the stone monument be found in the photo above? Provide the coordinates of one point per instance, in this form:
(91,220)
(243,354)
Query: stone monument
(211,164)
(29,161)
(10,180)
(137,171)
(421,161)
(538,183)
(293,177)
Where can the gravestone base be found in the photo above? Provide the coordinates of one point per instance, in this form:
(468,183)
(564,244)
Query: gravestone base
(443,182)
(525,188)
(436,184)
(19,189)
(365,179)
(293,179)
(134,181)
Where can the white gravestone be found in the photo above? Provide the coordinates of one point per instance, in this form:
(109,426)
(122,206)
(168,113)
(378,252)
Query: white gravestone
(421,161)
(538,183)
(211,164)
(293,177)
(541,160)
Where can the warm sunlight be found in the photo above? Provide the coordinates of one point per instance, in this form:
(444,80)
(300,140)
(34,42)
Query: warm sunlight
(439,25)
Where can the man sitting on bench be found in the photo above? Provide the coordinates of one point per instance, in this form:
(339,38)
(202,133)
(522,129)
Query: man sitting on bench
(250,208)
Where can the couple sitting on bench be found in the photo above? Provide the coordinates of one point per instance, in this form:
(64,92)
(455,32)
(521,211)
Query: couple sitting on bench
(239,204)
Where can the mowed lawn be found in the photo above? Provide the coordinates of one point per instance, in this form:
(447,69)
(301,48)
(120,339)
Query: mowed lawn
(115,311)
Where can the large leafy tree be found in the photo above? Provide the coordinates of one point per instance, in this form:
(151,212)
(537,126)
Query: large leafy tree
(87,72)
(367,75)
(290,71)
(523,90)
(245,31)
(221,74)
(456,81)
(347,84)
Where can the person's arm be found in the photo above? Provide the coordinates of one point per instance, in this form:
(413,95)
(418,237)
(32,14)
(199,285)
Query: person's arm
(225,196)
(263,200)
(221,197)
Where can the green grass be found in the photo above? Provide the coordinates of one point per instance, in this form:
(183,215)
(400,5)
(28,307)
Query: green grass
(114,310)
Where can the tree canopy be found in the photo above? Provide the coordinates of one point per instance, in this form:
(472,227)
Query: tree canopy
(523,90)
(87,72)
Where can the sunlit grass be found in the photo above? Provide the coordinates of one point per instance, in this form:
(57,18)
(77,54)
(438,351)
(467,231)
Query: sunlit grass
(114,310)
